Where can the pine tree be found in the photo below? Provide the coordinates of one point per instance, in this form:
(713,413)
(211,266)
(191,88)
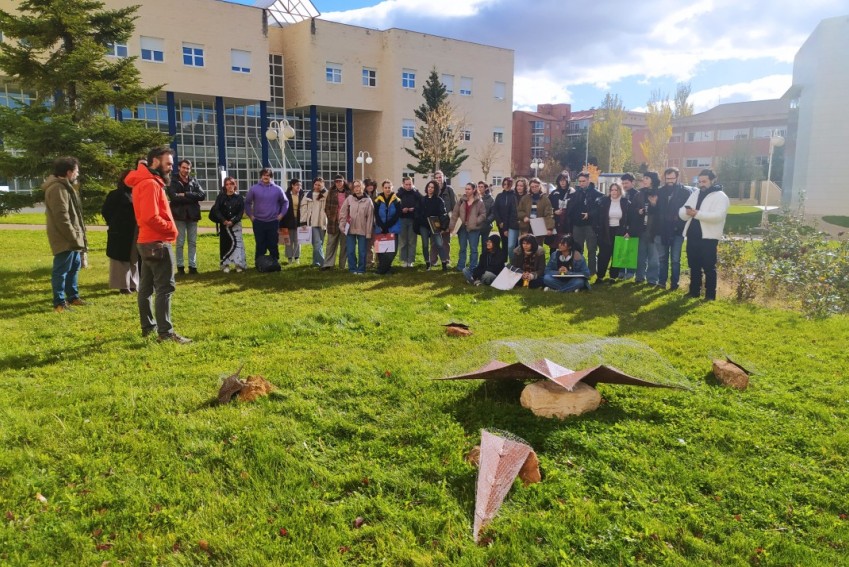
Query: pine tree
(55,50)
(436,145)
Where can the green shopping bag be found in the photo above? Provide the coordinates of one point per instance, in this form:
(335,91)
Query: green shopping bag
(625,252)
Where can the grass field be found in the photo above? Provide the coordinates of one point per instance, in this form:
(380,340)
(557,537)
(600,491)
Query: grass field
(114,450)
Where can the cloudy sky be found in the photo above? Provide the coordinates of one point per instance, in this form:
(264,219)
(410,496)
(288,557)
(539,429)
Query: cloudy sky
(574,52)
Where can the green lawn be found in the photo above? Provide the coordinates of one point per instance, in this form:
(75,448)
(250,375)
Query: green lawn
(838,220)
(136,463)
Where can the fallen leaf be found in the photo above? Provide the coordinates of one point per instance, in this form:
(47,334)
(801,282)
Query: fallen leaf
(387,374)
(96,532)
(344,549)
(103,546)
(40,497)
(358,523)
(244,475)
(176,547)
(364,481)
(284,532)
(842,516)
(204,545)
(738,517)
(9,516)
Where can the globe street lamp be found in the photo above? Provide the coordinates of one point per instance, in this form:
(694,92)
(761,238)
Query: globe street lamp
(537,165)
(364,158)
(281,131)
(775,141)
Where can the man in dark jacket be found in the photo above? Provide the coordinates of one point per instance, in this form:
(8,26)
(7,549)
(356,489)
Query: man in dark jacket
(561,203)
(450,199)
(670,228)
(410,202)
(66,232)
(637,222)
(506,214)
(185,195)
(584,217)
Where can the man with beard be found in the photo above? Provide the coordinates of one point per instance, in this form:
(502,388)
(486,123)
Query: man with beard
(670,228)
(704,214)
(157,231)
(65,232)
(185,195)
(584,216)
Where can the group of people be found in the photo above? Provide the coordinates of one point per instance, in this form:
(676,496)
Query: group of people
(364,226)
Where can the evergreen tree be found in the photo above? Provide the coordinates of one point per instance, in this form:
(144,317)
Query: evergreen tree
(436,145)
(55,50)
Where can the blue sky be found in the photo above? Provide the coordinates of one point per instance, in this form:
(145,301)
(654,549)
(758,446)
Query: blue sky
(728,50)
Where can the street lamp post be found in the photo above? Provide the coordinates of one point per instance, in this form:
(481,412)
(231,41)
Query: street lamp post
(364,158)
(281,131)
(537,165)
(775,141)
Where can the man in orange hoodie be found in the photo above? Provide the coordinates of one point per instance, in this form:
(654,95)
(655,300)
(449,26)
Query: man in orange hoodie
(157,231)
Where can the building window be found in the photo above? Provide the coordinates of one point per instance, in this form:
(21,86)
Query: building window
(703,136)
(333,72)
(697,162)
(538,125)
(498,135)
(240,61)
(192,55)
(497,180)
(152,49)
(116,50)
(675,139)
(408,129)
(448,82)
(500,90)
(465,86)
(408,79)
(766,132)
(733,134)
(466,136)
(369,77)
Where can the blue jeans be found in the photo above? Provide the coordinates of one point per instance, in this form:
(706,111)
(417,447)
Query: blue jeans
(664,251)
(647,261)
(407,242)
(66,271)
(434,238)
(317,243)
(564,284)
(266,236)
(356,245)
(468,241)
(190,228)
(510,242)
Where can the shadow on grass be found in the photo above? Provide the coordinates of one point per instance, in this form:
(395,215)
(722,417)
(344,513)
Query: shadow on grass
(63,354)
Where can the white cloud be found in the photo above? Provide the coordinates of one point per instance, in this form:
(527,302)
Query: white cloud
(773,86)
(558,48)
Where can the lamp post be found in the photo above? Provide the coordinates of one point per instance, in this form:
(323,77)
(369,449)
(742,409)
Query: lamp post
(281,131)
(775,141)
(537,165)
(364,158)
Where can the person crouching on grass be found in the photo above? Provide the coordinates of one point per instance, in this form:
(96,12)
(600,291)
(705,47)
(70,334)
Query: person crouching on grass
(529,258)
(491,263)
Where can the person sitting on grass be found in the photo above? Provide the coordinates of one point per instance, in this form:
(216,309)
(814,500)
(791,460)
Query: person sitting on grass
(566,260)
(529,258)
(490,265)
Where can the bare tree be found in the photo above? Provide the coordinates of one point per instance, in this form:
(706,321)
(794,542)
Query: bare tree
(486,156)
(682,107)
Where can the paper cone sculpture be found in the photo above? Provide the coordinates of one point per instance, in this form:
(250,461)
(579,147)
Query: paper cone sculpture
(501,459)
(497,370)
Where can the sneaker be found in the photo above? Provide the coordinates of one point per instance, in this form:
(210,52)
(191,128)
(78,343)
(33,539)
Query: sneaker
(673,288)
(427,266)
(239,269)
(147,332)
(546,288)
(76,302)
(174,337)
(181,270)
(62,307)
(193,270)
(476,282)
(444,266)
(226,269)
(125,291)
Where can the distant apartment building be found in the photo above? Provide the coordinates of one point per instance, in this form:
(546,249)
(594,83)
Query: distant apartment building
(229,70)
(818,128)
(700,141)
(581,121)
(535,133)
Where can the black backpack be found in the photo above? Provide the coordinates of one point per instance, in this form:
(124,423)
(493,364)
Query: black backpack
(267,264)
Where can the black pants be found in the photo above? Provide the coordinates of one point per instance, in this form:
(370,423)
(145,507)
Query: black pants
(265,234)
(701,257)
(605,251)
